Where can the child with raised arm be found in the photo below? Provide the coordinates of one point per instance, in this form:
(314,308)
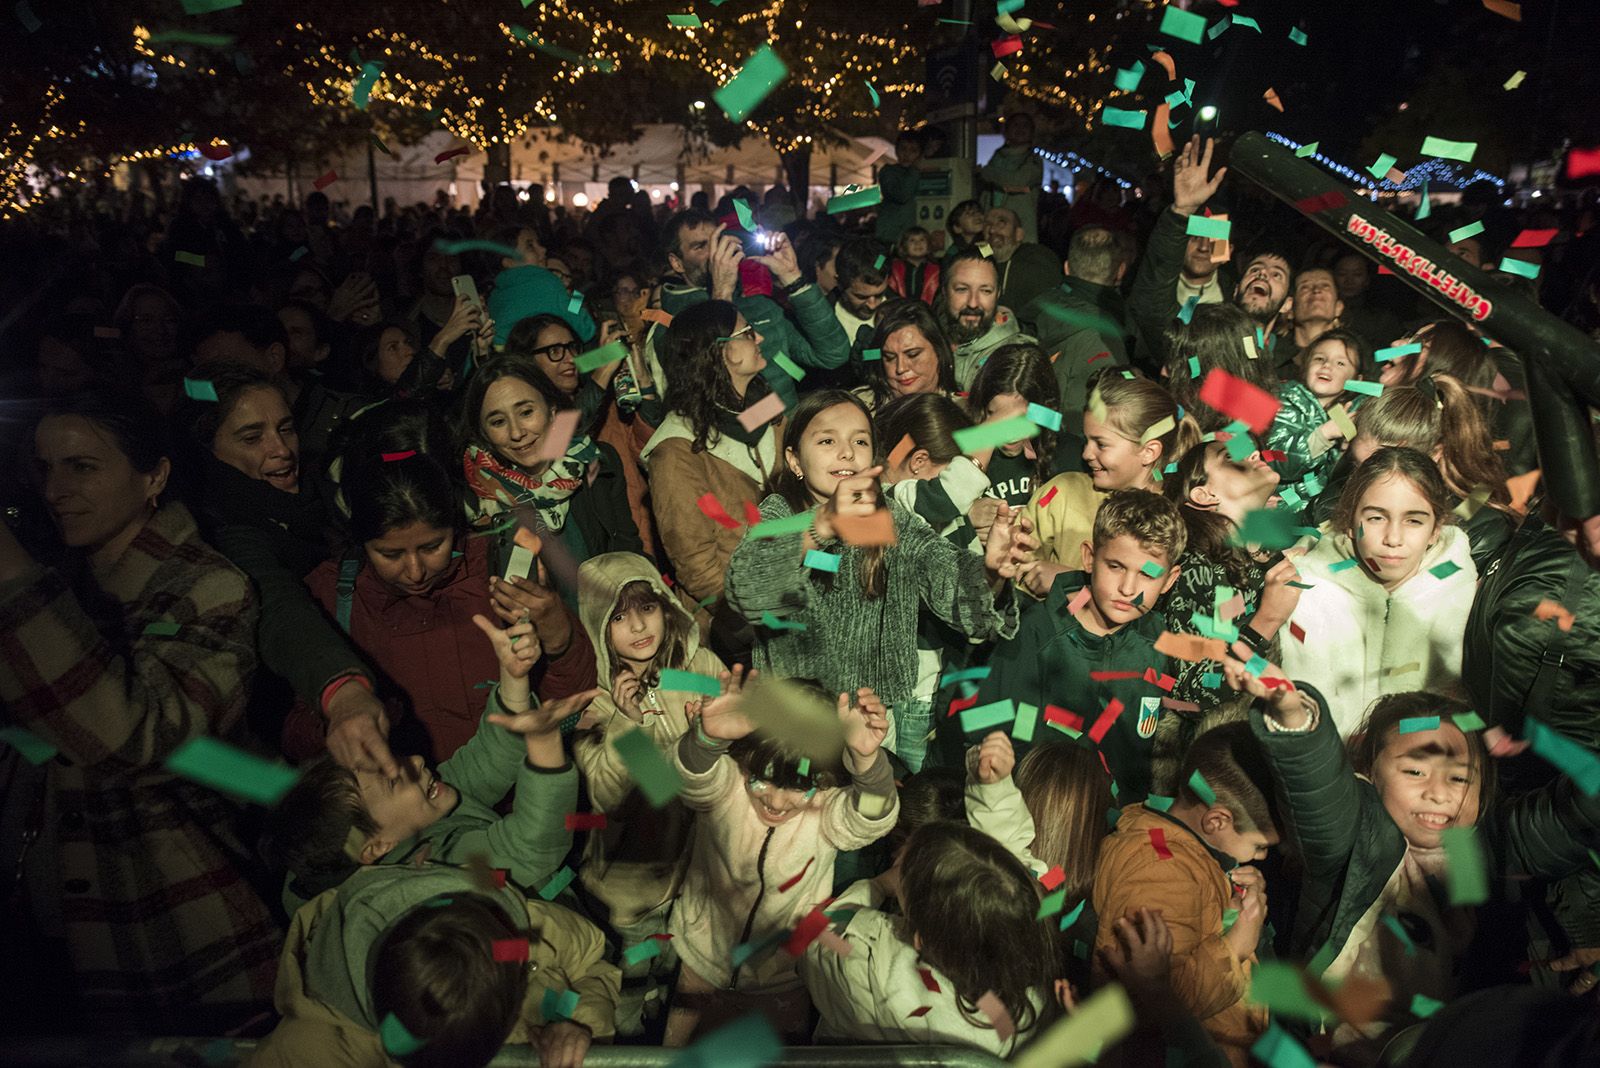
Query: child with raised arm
(335,820)
(769,823)
(1194,862)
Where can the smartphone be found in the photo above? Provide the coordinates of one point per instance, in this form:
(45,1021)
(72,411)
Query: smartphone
(464,286)
(760,242)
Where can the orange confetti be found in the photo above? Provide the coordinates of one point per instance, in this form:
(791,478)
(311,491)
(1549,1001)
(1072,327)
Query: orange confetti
(528,540)
(1271,97)
(656,315)
(1522,487)
(900,452)
(1558,612)
(866,530)
(1190,647)
(1505,8)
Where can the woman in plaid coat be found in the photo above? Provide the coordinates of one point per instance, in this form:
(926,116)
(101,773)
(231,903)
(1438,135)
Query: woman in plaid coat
(124,906)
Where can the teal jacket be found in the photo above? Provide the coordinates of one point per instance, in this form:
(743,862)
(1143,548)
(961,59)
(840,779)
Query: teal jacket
(1350,847)
(1051,662)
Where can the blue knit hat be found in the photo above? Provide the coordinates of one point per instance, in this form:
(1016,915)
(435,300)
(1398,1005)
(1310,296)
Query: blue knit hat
(522,292)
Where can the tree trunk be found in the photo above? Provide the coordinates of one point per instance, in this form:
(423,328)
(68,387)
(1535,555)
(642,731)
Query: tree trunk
(797,173)
(497,167)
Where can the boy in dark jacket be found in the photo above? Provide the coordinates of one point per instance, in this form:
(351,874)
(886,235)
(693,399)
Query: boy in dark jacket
(1088,649)
(334,820)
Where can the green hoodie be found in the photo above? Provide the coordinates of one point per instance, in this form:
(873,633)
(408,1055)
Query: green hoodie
(1051,662)
(323,990)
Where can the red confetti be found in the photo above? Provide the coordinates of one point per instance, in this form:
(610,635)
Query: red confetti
(1534,238)
(928,980)
(1276,683)
(752,514)
(1296,632)
(1158,840)
(806,932)
(920,1011)
(1053,878)
(1155,678)
(1044,502)
(789,883)
(216,151)
(452,154)
(499,877)
(1112,676)
(586,821)
(1179,706)
(511,950)
(1239,399)
(667,579)
(961,704)
(1100,356)
(1271,455)
(391,457)
(1324,202)
(325,181)
(1097,733)
(1053,714)
(1006,46)
(1583,162)
(712,509)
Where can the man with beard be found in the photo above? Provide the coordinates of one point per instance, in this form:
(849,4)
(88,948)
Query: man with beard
(706,260)
(1027,270)
(1262,292)
(1316,308)
(970,314)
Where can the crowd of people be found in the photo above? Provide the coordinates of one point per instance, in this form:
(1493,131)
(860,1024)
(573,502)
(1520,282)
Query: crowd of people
(718,621)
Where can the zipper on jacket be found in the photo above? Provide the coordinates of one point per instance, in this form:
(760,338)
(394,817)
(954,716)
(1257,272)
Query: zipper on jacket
(761,892)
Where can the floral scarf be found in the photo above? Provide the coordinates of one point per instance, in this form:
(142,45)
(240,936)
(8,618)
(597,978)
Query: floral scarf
(550,492)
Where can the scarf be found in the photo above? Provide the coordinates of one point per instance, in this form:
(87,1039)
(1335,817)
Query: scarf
(297,522)
(550,492)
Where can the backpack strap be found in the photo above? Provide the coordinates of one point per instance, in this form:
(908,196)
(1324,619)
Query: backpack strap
(345,589)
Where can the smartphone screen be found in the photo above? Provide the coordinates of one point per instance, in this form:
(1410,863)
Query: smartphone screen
(464,286)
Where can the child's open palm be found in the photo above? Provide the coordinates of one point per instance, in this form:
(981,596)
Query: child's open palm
(866,721)
(1010,543)
(516,647)
(721,717)
(544,718)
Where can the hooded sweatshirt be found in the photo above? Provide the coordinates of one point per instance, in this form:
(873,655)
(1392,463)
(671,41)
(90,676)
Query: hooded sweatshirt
(971,355)
(635,864)
(324,995)
(1362,641)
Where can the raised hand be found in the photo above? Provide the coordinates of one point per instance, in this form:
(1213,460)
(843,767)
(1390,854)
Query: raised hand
(726,252)
(625,690)
(866,723)
(856,497)
(780,260)
(546,717)
(1010,543)
(1190,186)
(1286,704)
(996,758)
(516,647)
(720,717)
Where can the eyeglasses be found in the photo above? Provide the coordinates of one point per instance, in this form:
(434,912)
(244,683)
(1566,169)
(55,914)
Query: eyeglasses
(561,350)
(747,334)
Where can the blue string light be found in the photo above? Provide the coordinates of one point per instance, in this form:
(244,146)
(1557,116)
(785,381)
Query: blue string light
(1074,162)
(1436,172)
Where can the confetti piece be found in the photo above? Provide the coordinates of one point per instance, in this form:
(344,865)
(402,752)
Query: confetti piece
(191,259)
(1519,267)
(1505,8)
(1424,1006)
(1129,120)
(1190,647)
(1128,80)
(1107,717)
(992,1007)
(873,93)
(558,882)
(1165,425)
(1097,1023)
(325,181)
(34,749)
(789,524)
(790,368)
(1297,36)
(586,821)
(923,1010)
(987,717)
(761,412)
(1444,570)
(1456,150)
(1272,99)
(1322,202)
(1048,418)
(1052,904)
(690,20)
(861,198)
(1465,874)
(1278,1050)
(1307,150)
(1112,676)
(1026,723)
(559,435)
(1078,600)
(977,674)
(397,1041)
(558,1005)
(1158,842)
(761,74)
(1183,25)
(1152,569)
(650,947)
(712,509)
(1202,789)
(1204,226)
(805,932)
(818,560)
(1370,389)
(163,628)
(1461,233)
(690,682)
(1285,989)
(748,1042)
(1060,717)
(1580,764)
(1165,682)
(998,72)
(1381,165)
(604,356)
(510,950)
(1238,398)
(1394,352)
(1403,669)
(456,248)
(789,883)
(1552,610)
(1006,46)
(772,622)
(866,531)
(396,457)
(658,780)
(871,355)
(224,768)
(205,7)
(975,439)
(1050,495)
(1413,724)
(1534,238)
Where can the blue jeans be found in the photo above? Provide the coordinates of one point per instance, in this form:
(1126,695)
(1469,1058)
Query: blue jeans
(913,720)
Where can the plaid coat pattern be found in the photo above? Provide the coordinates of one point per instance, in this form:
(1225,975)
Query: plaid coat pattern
(140,865)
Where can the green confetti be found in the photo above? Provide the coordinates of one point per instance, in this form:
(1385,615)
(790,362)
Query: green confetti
(222,767)
(1456,150)
(761,74)
(1278,1050)
(605,355)
(990,435)
(1072,917)
(1444,570)
(1297,36)
(361,90)
(777,528)
(873,92)
(1521,268)
(1048,418)
(1130,120)
(1381,166)
(397,1041)
(772,622)
(818,560)
(1052,904)
(747,221)
(558,1006)
(748,1042)
(1027,722)
(1413,724)
(558,882)
(1229,918)
(1183,25)
(34,749)
(790,368)
(1203,226)
(1468,721)
(206,7)
(1464,874)
(1152,569)
(658,780)
(690,20)
(1247,23)
(1308,150)
(1128,80)
(191,259)
(871,355)
(1269,528)
(1424,209)
(161,628)
(861,198)
(1461,233)
(1202,789)
(1370,389)
(977,674)
(1397,929)
(690,682)
(1281,987)
(987,717)
(1394,352)
(456,248)
(1159,803)
(1424,1006)
(650,947)
(1580,764)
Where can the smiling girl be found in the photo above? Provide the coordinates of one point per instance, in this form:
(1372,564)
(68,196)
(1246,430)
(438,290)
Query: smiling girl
(1302,431)
(1389,590)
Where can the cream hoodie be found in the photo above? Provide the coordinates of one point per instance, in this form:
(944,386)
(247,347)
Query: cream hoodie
(1362,641)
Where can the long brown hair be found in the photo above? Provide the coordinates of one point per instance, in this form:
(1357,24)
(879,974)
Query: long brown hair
(1020,367)
(1410,465)
(1211,534)
(1213,337)
(1068,795)
(1437,412)
(873,572)
(974,908)
(674,648)
(930,420)
(699,383)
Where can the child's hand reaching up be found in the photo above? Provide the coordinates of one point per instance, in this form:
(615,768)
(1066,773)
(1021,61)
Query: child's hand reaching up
(996,758)
(539,727)
(866,725)
(1285,704)
(1250,898)
(720,717)
(516,647)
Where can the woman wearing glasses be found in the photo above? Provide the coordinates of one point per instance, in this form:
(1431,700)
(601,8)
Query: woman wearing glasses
(705,446)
